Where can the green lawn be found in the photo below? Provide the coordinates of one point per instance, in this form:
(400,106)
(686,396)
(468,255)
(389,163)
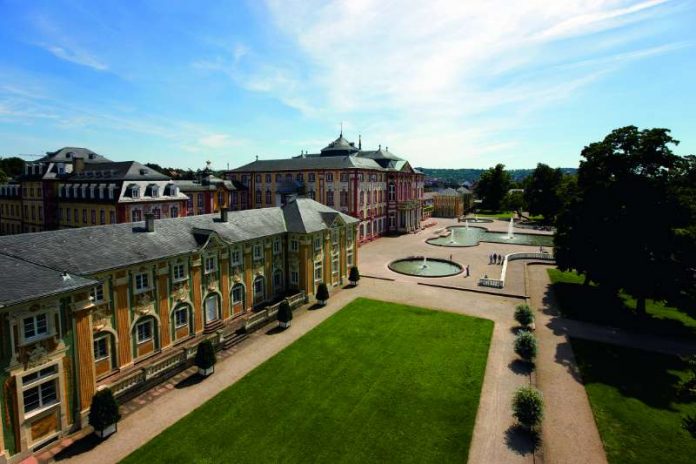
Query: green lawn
(632,393)
(592,305)
(376,382)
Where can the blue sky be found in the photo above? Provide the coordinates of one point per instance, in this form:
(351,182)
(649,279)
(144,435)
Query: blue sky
(443,83)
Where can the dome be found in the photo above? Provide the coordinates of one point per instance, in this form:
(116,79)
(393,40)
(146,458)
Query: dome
(339,147)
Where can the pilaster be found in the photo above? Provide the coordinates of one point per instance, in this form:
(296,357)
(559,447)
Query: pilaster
(225,285)
(197,295)
(163,292)
(85,358)
(121,309)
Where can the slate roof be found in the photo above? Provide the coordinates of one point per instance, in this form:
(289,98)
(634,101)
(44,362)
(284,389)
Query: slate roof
(22,281)
(208,183)
(90,250)
(338,147)
(119,170)
(310,162)
(305,215)
(67,154)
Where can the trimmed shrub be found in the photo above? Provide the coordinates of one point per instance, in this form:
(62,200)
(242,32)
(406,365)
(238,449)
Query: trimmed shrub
(526,345)
(104,410)
(528,407)
(322,293)
(284,312)
(354,275)
(205,355)
(524,315)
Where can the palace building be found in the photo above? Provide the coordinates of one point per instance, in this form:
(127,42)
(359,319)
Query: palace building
(125,305)
(376,186)
(75,187)
(210,194)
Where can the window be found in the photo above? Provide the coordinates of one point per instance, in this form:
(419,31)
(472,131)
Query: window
(97,293)
(278,281)
(312,194)
(258,252)
(200,200)
(362,198)
(238,294)
(349,258)
(294,277)
(136,215)
(294,245)
(189,204)
(102,217)
(300,177)
(334,236)
(344,177)
(278,178)
(318,271)
(329,177)
(173,212)
(42,394)
(268,197)
(35,326)
(236,257)
(112,217)
(334,265)
(94,217)
(135,192)
(268,178)
(258,197)
(330,198)
(179,272)
(258,178)
(210,264)
(101,348)
(317,243)
(142,282)
(276,247)
(310,177)
(344,198)
(157,213)
(143,331)
(181,317)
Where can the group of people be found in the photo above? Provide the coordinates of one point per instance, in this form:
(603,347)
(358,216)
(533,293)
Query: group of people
(495,258)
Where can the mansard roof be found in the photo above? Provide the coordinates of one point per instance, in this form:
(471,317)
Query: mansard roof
(116,171)
(339,147)
(90,250)
(67,154)
(22,281)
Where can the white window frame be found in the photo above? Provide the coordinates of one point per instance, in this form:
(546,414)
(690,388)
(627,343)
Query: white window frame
(209,264)
(276,247)
(349,258)
(179,272)
(241,289)
(318,269)
(294,277)
(317,243)
(51,377)
(105,339)
(257,252)
(149,322)
(294,245)
(97,294)
(45,333)
(182,310)
(236,256)
(138,282)
(335,261)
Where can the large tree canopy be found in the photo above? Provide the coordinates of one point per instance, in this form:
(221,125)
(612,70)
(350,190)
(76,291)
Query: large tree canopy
(12,166)
(541,192)
(622,228)
(493,186)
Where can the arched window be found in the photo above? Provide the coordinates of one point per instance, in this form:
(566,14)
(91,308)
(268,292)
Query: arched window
(238,299)
(259,290)
(212,308)
(145,336)
(104,351)
(181,321)
(278,282)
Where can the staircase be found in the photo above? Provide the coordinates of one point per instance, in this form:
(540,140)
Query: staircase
(238,337)
(213,326)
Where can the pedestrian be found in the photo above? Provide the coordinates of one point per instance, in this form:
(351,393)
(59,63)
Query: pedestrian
(541,249)
(467,271)
(495,257)
(450,257)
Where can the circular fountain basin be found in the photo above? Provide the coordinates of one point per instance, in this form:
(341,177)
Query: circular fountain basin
(477,220)
(434,267)
(461,236)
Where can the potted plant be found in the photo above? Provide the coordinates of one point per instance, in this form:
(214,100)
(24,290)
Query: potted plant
(354,276)
(524,316)
(205,358)
(284,314)
(528,407)
(526,345)
(322,293)
(103,413)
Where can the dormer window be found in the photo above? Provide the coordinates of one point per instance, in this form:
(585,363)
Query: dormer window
(97,294)
(152,191)
(142,282)
(35,327)
(171,190)
(210,264)
(134,191)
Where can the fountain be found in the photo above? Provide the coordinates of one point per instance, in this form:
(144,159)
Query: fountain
(424,267)
(510,233)
(466,225)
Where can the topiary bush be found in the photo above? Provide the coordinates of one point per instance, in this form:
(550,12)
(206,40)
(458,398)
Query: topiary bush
(104,410)
(524,315)
(322,293)
(528,407)
(205,357)
(689,424)
(354,275)
(526,345)
(284,314)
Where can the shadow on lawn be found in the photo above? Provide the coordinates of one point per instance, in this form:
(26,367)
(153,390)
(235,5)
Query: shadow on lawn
(639,374)
(84,444)
(522,441)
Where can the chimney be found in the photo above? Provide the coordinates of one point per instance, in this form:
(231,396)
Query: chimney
(223,215)
(78,165)
(149,222)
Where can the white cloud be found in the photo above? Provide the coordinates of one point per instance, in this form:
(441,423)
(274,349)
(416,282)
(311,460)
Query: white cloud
(77,56)
(401,66)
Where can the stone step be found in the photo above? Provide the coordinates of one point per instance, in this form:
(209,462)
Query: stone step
(235,339)
(213,326)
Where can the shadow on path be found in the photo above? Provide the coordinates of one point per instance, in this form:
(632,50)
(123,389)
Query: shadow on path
(521,367)
(84,444)
(521,440)
(191,380)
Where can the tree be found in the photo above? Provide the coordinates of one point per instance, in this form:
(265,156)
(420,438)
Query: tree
(322,293)
(284,314)
(354,276)
(205,358)
(3,177)
(526,345)
(608,230)
(542,192)
(528,407)
(524,315)
(514,201)
(12,166)
(493,186)
(103,412)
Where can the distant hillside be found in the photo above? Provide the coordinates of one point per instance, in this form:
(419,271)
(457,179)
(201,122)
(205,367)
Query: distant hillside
(460,176)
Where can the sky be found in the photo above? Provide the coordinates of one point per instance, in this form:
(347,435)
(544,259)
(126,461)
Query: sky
(442,83)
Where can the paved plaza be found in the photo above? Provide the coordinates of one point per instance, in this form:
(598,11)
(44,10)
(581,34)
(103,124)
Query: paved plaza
(569,433)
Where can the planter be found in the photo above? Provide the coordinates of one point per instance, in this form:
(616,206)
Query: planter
(108,430)
(284,325)
(206,372)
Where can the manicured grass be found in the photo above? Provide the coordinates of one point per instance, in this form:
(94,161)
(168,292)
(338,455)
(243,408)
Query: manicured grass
(376,382)
(633,398)
(591,304)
